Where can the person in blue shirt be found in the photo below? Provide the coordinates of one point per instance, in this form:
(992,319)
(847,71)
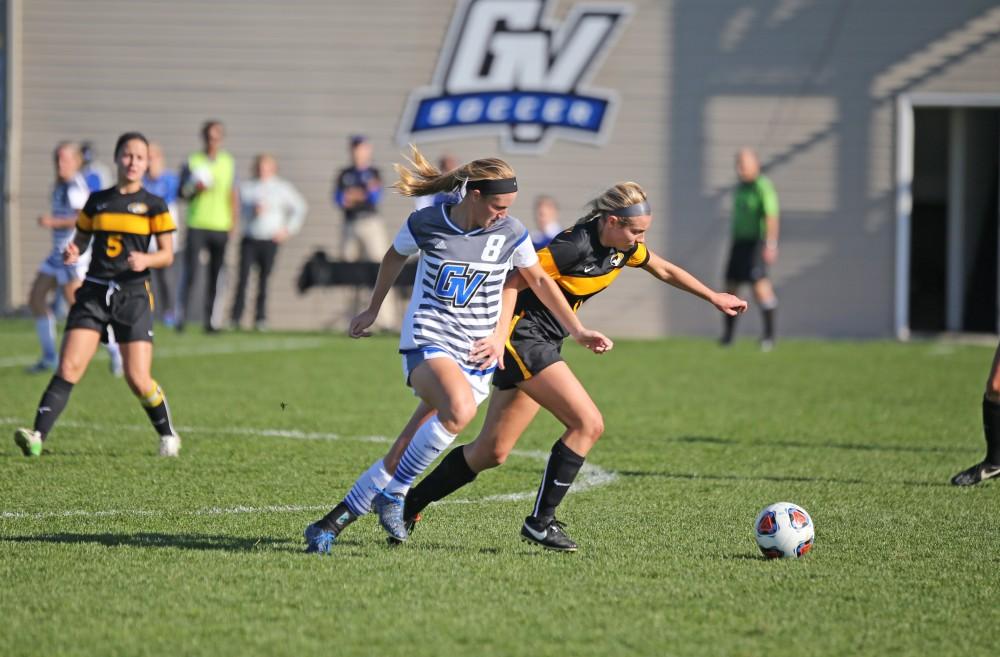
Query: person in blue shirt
(96,173)
(164,183)
(357,191)
(546,222)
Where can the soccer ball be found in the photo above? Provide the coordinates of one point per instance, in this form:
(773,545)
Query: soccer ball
(784,531)
(203,177)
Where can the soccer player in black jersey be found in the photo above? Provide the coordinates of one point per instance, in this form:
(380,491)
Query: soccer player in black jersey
(117,224)
(583,260)
(989,467)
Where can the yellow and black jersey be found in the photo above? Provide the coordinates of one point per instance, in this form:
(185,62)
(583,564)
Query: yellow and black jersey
(581,267)
(122,224)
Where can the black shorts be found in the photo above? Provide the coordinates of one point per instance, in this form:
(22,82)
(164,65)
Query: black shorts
(129,313)
(746,262)
(527,354)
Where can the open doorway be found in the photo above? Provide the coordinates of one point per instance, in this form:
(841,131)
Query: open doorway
(953,248)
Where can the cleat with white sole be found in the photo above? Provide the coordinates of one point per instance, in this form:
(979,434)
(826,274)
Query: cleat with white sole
(29,441)
(170,445)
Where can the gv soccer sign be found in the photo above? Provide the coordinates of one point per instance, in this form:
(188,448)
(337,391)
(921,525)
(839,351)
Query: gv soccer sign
(508,68)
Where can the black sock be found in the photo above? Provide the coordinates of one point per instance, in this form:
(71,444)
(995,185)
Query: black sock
(991,429)
(560,472)
(728,327)
(155,405)
(337,519)
(54,400)
(452,473)
(769,323)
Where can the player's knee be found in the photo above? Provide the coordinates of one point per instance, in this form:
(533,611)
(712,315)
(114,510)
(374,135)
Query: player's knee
(38,306)
(496,457)
(458,415)
(993,389)
(138,382)
(591,425)
(71,368)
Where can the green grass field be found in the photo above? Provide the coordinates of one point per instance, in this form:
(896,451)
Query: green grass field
(106,549)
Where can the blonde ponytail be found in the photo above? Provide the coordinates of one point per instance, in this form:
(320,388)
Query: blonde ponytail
(422,178)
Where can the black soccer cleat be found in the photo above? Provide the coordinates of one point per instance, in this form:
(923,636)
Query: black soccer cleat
(410,524)
(551,536)
(978,473)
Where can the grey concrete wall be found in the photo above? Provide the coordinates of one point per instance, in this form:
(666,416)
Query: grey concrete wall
(810,83)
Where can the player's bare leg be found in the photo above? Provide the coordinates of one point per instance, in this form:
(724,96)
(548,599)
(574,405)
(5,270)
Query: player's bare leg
(137,359)
(45,323)
(560,392)
(78,349)
(321,534)
(507,416)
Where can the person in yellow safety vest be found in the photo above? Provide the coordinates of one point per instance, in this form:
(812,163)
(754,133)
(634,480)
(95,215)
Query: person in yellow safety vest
(208,185)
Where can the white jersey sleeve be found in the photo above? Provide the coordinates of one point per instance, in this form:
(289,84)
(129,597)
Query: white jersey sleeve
(78,192)
(524,254)
(405,243)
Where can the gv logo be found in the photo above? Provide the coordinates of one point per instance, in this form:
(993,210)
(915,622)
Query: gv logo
(507,68)
(457,284)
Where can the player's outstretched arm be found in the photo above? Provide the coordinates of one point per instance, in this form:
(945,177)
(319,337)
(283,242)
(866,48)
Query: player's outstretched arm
(548,293)
(683,280)
(388,272)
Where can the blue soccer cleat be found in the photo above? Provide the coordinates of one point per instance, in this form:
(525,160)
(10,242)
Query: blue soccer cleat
(389,508)
(318,540)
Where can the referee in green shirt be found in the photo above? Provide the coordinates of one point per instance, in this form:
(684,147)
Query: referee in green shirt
(755,243)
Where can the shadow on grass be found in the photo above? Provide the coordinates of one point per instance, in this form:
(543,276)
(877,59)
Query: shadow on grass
(743,556)
(794,444)
(156,540)
(813,480)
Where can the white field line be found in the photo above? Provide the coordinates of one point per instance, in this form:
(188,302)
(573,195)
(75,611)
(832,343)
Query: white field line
(591,476)
(209,349)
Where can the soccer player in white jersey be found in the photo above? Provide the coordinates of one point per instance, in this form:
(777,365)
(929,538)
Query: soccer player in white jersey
(456,324)
(69,194)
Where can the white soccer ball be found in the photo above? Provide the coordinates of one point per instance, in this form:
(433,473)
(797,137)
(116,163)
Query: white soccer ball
(203,177)
(784,531)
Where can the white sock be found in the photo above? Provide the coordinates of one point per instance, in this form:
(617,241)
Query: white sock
(359,498)
(45,327)
(114,351)
(428,443)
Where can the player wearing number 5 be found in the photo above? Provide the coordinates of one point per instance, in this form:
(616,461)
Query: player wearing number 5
(117,224)
(456,323)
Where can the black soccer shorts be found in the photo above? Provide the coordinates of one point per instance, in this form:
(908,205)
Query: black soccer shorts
(526,355)
(128,310)
(746,262)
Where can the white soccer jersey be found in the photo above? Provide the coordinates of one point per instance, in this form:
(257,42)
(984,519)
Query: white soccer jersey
(457,292)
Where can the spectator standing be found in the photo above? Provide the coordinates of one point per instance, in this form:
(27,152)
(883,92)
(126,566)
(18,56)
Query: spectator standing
(163,183)
(546,222)
(96,173)
(272,210)
(357,192)
(208,184)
